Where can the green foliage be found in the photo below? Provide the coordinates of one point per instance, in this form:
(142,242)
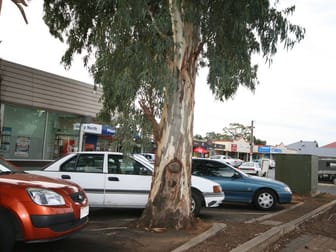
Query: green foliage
(259,141)
(211,136)
(131,44)
(237,130)
(198,137)
(233,132)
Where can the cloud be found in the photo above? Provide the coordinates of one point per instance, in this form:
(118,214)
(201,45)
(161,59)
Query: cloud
(294,101)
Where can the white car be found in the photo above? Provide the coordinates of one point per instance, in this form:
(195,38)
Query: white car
(252,168)
(149,156)
(111,180)
(235,162)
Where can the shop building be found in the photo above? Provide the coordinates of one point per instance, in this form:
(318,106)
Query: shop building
(41,113)
(241,149)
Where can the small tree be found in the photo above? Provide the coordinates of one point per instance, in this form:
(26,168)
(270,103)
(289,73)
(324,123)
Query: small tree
(146,57)
(237,130)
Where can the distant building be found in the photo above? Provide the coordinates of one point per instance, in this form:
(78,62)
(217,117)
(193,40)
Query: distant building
(331,145)
(312,148)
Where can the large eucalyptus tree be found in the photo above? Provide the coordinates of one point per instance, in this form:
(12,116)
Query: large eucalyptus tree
(146,54)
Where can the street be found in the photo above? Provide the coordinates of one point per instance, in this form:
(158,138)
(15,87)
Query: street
(108,228)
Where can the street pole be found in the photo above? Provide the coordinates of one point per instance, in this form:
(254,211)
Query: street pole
(251,142)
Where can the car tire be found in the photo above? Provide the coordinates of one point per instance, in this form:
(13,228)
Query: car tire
(265,199)
(196,203)
(7,232)
(334,180)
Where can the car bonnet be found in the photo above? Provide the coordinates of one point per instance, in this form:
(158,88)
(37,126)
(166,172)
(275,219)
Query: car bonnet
(266,181)
(31,180)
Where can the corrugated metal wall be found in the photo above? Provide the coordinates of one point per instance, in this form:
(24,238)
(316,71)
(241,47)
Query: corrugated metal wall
(31,87)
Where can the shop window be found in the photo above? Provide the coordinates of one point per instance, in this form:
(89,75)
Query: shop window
(23,133)
(62,134)
(30,133)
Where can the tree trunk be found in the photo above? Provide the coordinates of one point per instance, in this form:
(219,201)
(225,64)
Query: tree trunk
(169,203)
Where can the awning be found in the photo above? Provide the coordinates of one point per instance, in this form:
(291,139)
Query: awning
(200,149)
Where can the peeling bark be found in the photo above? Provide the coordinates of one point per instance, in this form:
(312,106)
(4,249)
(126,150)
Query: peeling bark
(169,204)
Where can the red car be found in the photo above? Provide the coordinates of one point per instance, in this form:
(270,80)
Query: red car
(35,208)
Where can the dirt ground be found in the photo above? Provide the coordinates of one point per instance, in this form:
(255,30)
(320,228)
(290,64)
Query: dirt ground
(237,233)
(324,225)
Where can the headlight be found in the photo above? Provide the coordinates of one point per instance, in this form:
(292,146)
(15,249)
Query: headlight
(45,197)
(287,189)
(216,189)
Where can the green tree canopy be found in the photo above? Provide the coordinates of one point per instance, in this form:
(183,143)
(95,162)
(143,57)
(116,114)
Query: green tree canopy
(146,55)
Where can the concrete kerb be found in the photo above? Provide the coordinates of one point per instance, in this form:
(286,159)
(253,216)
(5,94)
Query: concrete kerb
(262,241)
(216,227)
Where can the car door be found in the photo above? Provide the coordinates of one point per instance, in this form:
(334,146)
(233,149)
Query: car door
(127,183)
(233,184)
(87,170)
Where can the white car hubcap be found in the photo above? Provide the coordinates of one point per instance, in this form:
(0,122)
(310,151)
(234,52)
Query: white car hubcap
(265,200)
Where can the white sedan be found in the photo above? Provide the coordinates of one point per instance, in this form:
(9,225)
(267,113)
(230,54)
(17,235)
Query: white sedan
(252,168)
(235,162)
(111,180)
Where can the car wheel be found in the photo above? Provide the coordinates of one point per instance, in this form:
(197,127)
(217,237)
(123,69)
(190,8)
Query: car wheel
(265,199)
(334,180)
(196,203)
(7,233)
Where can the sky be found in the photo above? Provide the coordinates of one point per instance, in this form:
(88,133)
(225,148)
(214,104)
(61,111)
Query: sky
(295,99)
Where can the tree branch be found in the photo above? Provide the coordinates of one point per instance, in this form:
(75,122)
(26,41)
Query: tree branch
(150,115)
(23,2)
(164,36)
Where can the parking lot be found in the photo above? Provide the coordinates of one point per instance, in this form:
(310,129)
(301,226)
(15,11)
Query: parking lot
(108,228)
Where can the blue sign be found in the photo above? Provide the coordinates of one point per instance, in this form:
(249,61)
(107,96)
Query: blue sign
(108,131)
(264,149)
(276,150)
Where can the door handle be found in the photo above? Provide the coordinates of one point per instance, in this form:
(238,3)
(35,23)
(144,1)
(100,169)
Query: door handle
(113,178)
(65,177)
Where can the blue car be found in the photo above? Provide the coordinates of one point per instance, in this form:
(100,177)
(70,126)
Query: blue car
(239,187)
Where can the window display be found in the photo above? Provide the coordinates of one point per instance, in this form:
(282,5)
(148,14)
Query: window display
(30,133)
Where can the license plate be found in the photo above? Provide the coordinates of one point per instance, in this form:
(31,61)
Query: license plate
(84,211)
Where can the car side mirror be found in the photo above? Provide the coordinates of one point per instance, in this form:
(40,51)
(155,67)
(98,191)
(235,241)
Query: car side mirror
(144,171)
(236,175)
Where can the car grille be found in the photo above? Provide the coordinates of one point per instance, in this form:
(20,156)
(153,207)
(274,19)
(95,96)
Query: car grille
(78,197)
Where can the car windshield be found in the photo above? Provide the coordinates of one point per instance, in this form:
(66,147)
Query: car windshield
(54,161)
(6,167)
(214,169)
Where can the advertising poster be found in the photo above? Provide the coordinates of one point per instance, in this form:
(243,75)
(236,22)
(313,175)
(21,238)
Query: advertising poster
(22,146)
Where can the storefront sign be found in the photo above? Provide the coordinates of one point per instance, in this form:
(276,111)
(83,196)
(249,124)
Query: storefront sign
(276,150)
(108,131)
(264,149)
(92,128)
